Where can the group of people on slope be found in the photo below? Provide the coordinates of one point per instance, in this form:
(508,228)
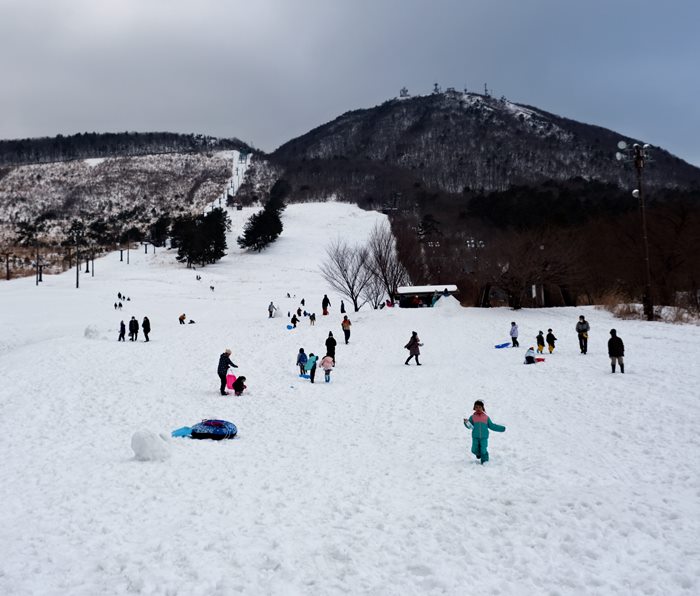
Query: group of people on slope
(616,348)
(307,363)
(134,329)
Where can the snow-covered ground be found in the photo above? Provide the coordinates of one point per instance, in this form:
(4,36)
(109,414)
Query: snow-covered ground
(361,486)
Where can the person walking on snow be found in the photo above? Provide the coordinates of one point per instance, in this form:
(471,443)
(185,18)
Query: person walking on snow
(301,360)
(540,342)
(310,366)
(616,351)
(182,318)
(330,346)
(222,369)
(122,331)
(312,319)
(327,365)
(480,424)
(582,329)
(325,303)
(346,324)
(146,326)
(271,310)
(413,347)
(514,334)
(342,307)
(550,340)
(294,321)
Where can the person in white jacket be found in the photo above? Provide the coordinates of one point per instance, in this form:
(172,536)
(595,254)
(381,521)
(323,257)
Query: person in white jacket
(514,334)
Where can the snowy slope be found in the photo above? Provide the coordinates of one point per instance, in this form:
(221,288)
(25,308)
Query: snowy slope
(363,485)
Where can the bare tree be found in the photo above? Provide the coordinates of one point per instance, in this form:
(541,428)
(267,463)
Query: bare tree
(374,292)
(384,261)
(346,271)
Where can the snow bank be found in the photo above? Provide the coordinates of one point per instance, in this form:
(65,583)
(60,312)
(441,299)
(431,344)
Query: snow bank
(448,304)
(149,446)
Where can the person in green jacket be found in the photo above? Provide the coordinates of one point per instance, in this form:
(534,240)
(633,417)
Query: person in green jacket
(480,424)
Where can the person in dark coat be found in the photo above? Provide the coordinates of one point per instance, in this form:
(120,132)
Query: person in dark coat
(294,321)
(239,385)
(342,307)
(133,329)
(550,340)
(122,331)
(115,306)
(146,326)
(413,347)
(540,342)
(224,363)
(616,351)
(325,303)
(330,345)
(582,329)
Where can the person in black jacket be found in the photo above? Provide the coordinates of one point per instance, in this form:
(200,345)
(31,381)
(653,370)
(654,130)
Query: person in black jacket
(133,329)
(582,329)
(330,346)
(325,303)
(146,326)
(616,351)
(224,363)
(122,331)
(239,385)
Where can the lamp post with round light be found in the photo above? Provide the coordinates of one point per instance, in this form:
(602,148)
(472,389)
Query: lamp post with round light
(639,155)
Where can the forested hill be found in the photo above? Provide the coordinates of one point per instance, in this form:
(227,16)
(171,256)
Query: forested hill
(454,141)
(122,144)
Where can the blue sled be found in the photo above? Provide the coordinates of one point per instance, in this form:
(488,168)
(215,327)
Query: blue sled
(290,326)
(505,345)
(185,431)
(305,376)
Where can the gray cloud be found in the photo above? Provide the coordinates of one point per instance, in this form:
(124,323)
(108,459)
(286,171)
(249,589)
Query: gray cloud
(268,70)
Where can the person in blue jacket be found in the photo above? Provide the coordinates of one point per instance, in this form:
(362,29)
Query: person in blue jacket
(480,424)
(301,361)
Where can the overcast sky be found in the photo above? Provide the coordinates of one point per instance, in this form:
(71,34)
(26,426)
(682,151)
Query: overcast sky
(266,71)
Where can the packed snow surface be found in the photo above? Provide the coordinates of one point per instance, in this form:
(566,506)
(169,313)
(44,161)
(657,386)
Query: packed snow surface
(364,485)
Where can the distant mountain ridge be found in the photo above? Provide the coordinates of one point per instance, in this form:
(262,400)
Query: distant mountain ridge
(122,144)
(456,141)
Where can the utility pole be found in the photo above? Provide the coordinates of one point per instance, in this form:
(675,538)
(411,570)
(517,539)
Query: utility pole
(639,155)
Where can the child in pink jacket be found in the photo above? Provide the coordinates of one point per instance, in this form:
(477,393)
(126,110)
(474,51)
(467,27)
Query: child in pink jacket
(327,366)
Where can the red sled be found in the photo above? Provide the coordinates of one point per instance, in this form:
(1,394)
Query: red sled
(539,359)
(229,381)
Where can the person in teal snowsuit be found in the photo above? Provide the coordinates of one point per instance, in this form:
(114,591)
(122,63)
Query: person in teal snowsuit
(480,424)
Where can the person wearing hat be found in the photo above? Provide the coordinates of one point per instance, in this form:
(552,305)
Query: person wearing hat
(530,356)
(616,351)
(224,363)
(540,342)
(330,346)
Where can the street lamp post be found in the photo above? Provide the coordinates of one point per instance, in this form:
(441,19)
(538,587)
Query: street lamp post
(639,155)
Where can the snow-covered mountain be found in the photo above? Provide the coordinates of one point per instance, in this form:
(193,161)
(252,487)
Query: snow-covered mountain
(364,485)
(455,142)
